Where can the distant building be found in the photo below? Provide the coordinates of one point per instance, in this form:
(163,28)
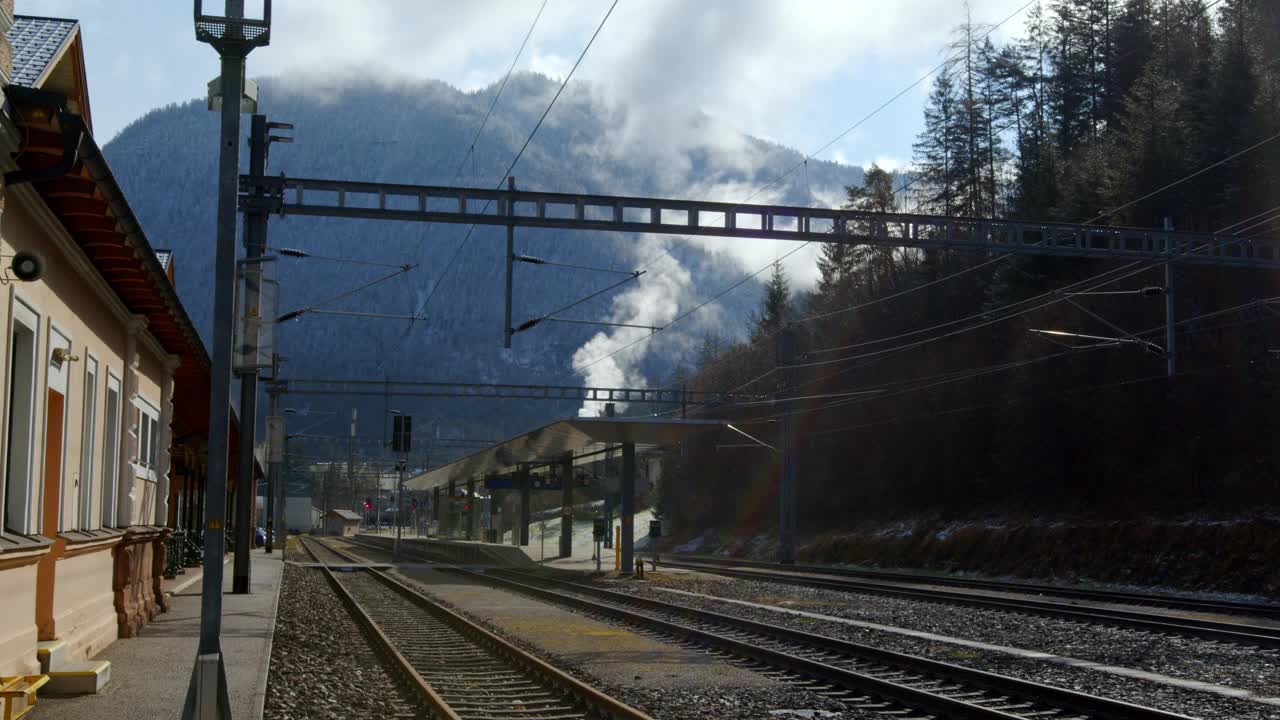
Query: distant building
(342,523)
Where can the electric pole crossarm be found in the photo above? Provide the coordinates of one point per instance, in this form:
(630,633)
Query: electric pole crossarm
(567,211)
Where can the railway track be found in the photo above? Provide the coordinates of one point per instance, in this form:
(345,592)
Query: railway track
(1172,602)
(1240,633)
(863,677)
(459,670)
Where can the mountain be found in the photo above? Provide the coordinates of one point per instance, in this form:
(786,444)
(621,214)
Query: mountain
(420,132)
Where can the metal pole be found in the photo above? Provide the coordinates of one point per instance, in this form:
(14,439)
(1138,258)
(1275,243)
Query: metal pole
(207,695)
(1170,339)
(351,460)
(395,550)
(273,476)
(282,496)
(525,498)
(509,209)
(255,241)
(566,506)
(787,481)
(472,509)
(610,469)
(377,499)
(627,521)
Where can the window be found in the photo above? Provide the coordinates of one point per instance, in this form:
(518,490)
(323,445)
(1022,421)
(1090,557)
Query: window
(155,444)
(19,449)
(111,452)
(88,438)
(148,425)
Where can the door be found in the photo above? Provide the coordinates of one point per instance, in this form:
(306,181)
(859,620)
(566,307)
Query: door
(58,372)
(55,433)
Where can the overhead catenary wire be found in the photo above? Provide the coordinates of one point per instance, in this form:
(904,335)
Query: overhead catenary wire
(1006,256)
(343,295)
(530,323)
(802,164)
(519,154)
(963,375)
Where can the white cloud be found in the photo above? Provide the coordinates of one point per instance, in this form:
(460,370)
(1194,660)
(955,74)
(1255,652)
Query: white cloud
(887,162)
(751,64)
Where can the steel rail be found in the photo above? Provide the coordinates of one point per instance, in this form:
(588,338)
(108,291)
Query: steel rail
(1013,690)
(1221,607)
(400,668)
(981,694)
(1238,633)
(598,703)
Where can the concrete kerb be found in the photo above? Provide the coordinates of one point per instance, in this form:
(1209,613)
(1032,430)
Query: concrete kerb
(260,692)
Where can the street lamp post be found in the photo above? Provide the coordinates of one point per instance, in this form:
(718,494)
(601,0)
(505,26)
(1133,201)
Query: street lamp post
(233,36)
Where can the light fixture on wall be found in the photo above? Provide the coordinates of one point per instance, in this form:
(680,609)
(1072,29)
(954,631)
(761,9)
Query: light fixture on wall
(62,355)
(25,266)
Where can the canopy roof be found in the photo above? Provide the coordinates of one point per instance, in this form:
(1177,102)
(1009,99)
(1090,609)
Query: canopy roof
(551,442)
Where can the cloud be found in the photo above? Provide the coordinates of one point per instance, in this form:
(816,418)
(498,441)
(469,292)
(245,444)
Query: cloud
(750,65)
(654,300)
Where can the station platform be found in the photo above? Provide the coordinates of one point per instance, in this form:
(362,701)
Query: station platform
(150,672)
(462,552)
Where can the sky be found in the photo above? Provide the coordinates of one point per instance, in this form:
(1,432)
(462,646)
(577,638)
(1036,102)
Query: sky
(800,73)
(797,72)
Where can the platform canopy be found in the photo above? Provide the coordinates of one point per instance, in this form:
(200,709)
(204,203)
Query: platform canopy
(551,442)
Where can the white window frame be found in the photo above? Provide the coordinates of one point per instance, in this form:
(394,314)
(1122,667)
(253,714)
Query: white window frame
(144,445)
(49,380)
(29,316)
(88,441)
(111,448)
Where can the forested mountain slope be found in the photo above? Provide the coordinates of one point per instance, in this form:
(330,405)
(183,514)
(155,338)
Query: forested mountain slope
(926,389)
(421,132)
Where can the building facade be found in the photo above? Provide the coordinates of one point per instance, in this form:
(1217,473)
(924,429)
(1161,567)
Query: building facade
(101,371)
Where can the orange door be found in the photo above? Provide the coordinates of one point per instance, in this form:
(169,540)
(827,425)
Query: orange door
(46,570)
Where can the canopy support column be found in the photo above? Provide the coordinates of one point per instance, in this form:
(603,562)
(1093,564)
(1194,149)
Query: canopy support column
(628,506)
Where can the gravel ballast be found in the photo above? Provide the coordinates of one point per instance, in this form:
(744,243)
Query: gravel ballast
(771,701)
(1239,667)
(322,668)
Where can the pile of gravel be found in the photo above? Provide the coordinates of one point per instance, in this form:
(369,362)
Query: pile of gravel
(1187,658)
(322,668)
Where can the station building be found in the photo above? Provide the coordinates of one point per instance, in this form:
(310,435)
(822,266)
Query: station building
(104,379)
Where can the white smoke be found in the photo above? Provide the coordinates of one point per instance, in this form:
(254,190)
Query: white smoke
(654,301)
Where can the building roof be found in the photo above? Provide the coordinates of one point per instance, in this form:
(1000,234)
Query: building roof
(37,43)
(553,441)
(344,514)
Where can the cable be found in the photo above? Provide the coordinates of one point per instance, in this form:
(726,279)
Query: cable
(471,229)
(516,159)
(471,149)
(886,103)
(708,301)
(348,293)
(804,163)
(978,372)
(1272,211)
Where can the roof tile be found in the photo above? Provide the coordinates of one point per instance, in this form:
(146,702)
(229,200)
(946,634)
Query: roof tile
(36,42)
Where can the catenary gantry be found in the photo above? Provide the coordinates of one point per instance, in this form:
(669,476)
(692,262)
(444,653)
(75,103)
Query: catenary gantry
(571,211)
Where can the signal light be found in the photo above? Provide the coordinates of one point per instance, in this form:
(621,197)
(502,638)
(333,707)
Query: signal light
(367,504)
